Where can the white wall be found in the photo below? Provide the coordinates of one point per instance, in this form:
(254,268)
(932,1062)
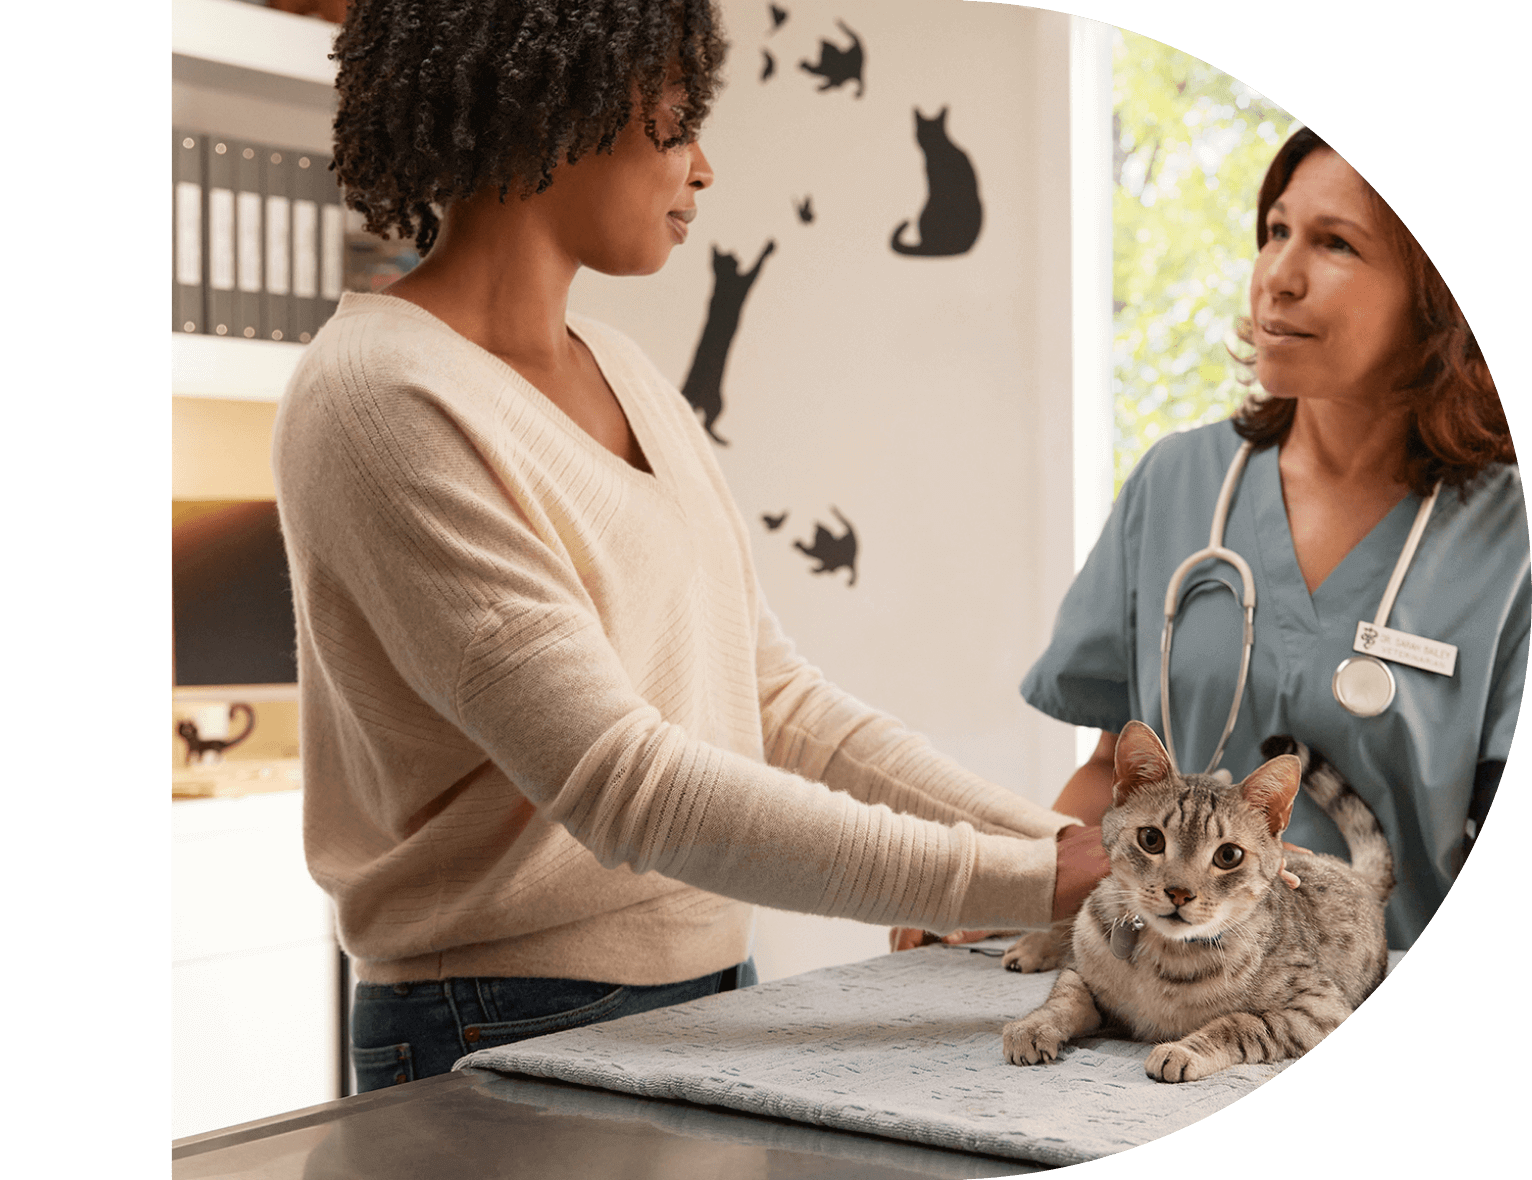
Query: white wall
(928,399)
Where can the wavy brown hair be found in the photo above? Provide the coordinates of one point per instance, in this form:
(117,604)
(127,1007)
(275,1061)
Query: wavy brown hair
(1457,424)
(438,99)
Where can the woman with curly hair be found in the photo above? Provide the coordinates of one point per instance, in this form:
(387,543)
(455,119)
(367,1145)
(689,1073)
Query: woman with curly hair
(1374,395)
(554,743)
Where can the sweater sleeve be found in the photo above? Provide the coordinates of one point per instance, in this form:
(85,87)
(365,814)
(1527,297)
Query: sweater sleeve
(485,619)
(822,732)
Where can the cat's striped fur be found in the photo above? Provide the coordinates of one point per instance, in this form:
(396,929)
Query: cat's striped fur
(1231,964)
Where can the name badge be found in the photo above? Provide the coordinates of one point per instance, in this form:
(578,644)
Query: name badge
(1403,648)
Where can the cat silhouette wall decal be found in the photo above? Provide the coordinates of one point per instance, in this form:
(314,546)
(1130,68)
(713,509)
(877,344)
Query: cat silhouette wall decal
(830,551)
(703,387)
(950,222)
(838,66)
(768,64)
(805,210)
(773,523)
(778,16)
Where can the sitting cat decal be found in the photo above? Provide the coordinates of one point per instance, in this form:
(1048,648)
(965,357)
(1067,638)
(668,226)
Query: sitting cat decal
(953,215)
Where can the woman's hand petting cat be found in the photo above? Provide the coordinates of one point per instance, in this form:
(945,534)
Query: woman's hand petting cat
(1082,862)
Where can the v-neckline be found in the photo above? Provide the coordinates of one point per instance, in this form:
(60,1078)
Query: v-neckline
(550,407)
(644,449)
(1355,586)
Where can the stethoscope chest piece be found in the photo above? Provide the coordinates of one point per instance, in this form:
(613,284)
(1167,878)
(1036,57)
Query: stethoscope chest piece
(1364,686)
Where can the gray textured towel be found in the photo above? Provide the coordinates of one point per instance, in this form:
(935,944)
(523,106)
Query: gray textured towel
(905,1046)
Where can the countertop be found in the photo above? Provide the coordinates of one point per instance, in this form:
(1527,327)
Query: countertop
(476,1125)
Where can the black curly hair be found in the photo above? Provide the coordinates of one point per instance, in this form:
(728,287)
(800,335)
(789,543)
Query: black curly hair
(440,98)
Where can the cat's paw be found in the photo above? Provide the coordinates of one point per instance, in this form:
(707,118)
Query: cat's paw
(1032,1040)
(1176,1061)
(1037,950)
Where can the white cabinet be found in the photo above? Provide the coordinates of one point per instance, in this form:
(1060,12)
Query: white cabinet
(255,993)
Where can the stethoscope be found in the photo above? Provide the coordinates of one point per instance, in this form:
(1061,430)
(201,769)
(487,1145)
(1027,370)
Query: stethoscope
(1363,684)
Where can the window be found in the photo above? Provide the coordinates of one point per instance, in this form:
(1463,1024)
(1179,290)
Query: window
(1191,145)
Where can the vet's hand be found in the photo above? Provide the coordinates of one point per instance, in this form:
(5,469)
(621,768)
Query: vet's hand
(1288,878)
(1082,863)
(902,938)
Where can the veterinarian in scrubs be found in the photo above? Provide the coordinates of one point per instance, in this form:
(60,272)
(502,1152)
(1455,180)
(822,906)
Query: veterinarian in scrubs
(1374,391)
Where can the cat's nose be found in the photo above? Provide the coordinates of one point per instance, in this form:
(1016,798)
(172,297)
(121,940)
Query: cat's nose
(1179,897)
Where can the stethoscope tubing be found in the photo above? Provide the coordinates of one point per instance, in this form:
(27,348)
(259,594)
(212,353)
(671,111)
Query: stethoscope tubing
(1217,551)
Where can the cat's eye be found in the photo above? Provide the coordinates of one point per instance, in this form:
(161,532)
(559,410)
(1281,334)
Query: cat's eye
(1228,856)
(1151,840)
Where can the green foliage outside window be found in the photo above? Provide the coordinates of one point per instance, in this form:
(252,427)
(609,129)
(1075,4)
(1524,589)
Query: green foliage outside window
(1191,146)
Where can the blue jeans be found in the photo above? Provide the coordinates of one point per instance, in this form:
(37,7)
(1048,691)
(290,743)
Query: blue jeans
(404,1031)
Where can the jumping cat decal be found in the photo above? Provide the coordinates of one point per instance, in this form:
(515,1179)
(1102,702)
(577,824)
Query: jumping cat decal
(830,551)
(838,66)
(949,223)
(703,387)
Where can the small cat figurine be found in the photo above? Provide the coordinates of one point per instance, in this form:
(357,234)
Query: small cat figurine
(953,215)
(201,749)
(1191,941)
(832,552)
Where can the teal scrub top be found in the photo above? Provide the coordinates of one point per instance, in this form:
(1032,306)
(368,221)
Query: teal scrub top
(1415,762)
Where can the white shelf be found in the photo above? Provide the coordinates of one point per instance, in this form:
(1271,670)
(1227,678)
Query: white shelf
(250,37)
(229,367)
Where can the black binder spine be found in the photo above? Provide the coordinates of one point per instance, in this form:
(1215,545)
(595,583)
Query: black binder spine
(249,243)
(188,312)
(222,236)
(332,240)
(306,198)
(277,168)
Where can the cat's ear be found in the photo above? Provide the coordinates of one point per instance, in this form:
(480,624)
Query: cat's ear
(1140,760)
(1272,787)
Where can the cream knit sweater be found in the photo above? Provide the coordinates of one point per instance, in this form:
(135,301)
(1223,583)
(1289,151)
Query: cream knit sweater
(548,725)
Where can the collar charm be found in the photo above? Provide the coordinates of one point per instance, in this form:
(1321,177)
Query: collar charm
(1124,935)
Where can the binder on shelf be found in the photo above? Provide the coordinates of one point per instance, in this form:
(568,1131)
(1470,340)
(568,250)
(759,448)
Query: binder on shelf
(332,240)
(264,230)
(222,236)
(188,312)
(317,291)
(307,196)
(278,177)
(249,239)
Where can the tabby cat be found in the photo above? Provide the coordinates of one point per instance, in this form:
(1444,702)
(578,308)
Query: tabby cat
(1191,941)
